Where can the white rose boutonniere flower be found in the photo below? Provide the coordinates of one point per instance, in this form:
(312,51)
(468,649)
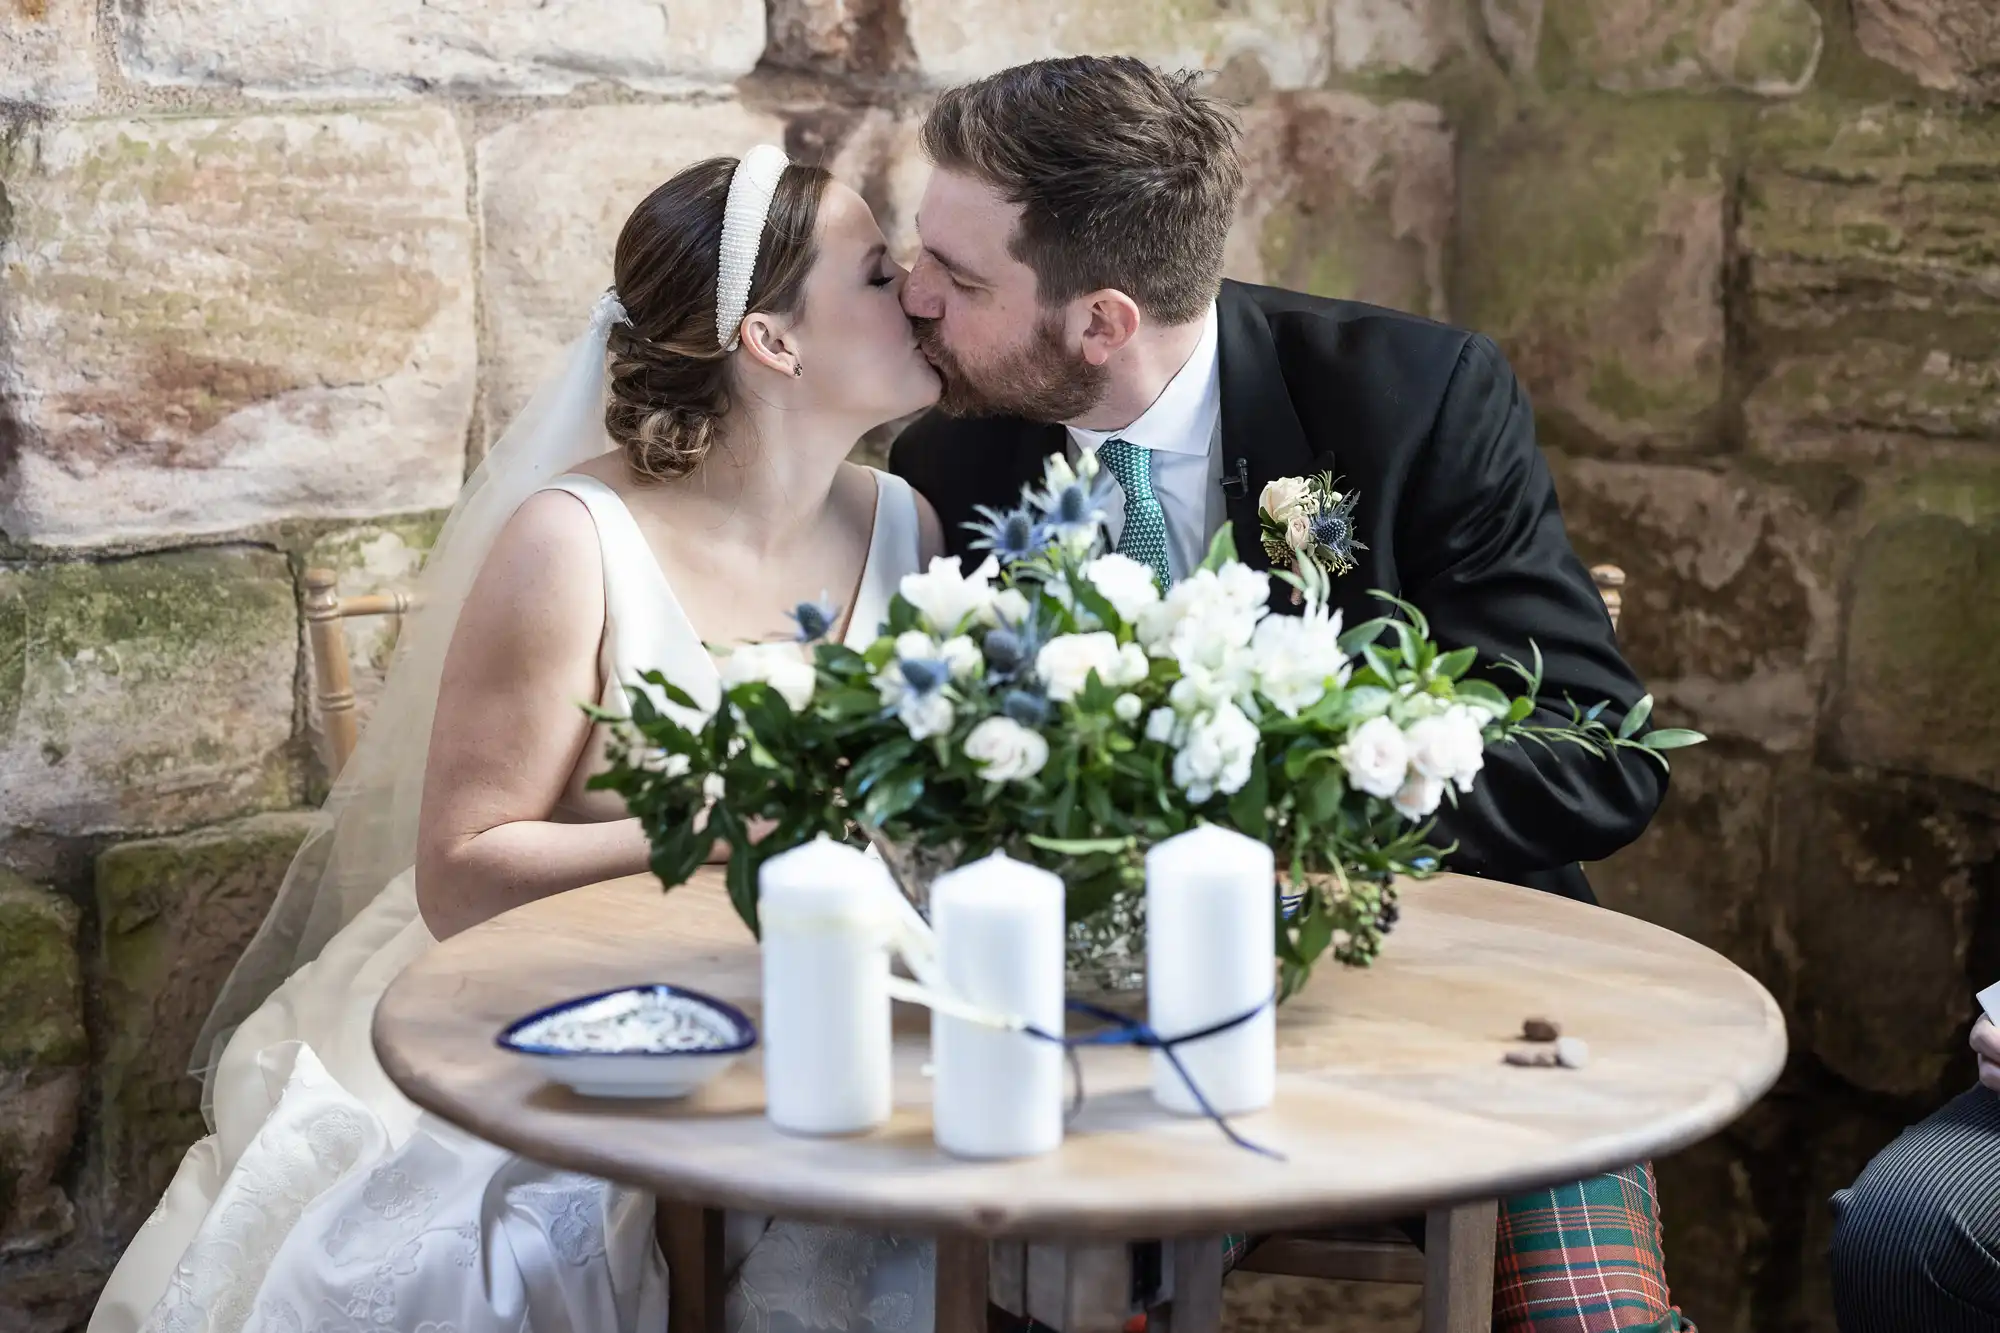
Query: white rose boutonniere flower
(1304,521)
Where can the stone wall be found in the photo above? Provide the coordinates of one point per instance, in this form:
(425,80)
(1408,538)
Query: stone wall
(272,273)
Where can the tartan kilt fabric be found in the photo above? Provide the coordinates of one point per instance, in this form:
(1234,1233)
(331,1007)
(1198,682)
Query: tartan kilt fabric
(1580,1258)
(1584,1258)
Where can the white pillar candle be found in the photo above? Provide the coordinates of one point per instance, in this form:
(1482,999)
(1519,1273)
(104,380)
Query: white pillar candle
(1211,939)
(823,909)
(999,925)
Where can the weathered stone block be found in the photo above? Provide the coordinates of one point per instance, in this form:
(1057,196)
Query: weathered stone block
(1731,611)
(42,1053)
(1346,197)
(1767,47)
(206,324)
(1874,307)
(1702,867)
(1260,43)
(882,159)
(1951,45)
(1591,244)
(173,914)
(838,36)
(554,190)
(38,1119)
(151,692)
(384,556)
(1920,678)
(41,981)
(1877,884)
(297,48)
(46,51)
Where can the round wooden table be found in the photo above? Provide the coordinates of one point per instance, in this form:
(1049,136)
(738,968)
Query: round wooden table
(1393,1096)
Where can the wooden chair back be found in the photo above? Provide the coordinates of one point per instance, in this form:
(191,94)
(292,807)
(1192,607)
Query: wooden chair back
(326,643)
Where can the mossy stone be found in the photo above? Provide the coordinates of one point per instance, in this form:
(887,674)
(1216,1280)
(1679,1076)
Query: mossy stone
(41,979)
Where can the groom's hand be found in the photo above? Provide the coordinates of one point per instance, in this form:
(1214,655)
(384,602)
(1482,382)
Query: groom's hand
(1986,1045)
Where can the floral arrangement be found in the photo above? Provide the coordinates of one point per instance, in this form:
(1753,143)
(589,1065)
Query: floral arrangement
(1057,703)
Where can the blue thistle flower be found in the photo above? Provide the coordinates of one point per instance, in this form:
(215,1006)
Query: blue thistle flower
(1027,708)
(814,619)
(924,674)
(1333,533)
(1072,507)
(1006,653)
(1015,534)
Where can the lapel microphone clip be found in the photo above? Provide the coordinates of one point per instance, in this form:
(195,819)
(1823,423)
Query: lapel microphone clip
(1238,486)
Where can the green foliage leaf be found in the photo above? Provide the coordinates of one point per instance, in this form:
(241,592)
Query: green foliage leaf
(1246,807)
(1671,738)
(1221,549)
(1455,663)
(1636,718)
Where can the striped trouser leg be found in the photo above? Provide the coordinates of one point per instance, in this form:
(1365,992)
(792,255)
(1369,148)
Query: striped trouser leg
(1916,1237)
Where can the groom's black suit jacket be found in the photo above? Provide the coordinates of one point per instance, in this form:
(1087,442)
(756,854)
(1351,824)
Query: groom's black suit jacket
(1457,510)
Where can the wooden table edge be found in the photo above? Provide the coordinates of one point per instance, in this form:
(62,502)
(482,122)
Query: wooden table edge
(1001,1223)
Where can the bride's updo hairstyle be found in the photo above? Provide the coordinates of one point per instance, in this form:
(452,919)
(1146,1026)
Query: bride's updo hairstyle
(670,377)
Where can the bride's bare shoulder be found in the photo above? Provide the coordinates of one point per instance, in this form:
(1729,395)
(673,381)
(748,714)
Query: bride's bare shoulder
(546,555)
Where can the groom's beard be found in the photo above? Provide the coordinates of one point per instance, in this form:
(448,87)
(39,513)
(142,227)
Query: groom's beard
(1041,382)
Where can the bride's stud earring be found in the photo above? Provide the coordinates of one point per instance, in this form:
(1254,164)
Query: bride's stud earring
(798,369)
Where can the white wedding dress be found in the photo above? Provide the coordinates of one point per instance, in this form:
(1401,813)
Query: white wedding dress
(325,1202)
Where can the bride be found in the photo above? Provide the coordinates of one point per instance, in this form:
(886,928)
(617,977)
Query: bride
(690,493)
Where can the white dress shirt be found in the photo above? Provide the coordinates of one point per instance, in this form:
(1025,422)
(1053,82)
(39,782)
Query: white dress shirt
(1183,429)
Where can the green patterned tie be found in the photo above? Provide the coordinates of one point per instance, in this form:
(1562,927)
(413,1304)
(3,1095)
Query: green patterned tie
(1144,537)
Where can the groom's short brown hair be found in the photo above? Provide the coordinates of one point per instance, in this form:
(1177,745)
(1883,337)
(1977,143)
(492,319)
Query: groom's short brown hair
(1126,176)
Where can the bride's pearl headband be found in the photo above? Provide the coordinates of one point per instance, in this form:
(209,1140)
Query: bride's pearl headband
(751,187)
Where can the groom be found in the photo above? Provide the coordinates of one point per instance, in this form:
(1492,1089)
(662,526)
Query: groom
(1069,292)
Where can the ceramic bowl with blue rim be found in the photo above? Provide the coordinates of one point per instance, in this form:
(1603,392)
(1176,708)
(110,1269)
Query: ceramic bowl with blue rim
(636,1041)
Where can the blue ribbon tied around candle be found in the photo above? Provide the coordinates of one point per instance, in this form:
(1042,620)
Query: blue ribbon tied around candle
(1120,1031)
(1133,1032)
(910,936)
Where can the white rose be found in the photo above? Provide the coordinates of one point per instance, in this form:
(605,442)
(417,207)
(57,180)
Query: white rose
(1283,496)
(926,715)
(1418,796)
(1247,589)
(1009,607)
(1375,758)
(944,597)
(1296,658)
(1126,707)
(1131,667)
(1129,586)
(1216,755)
(914,643)
(1066,661)
(1161,724)
(961,657)
(1005,750)
(1447,747)
(778,665)
(1298,532)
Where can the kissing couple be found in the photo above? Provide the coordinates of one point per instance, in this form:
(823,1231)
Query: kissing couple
(682,480)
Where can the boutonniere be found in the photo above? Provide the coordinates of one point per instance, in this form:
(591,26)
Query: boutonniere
(1304,520)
